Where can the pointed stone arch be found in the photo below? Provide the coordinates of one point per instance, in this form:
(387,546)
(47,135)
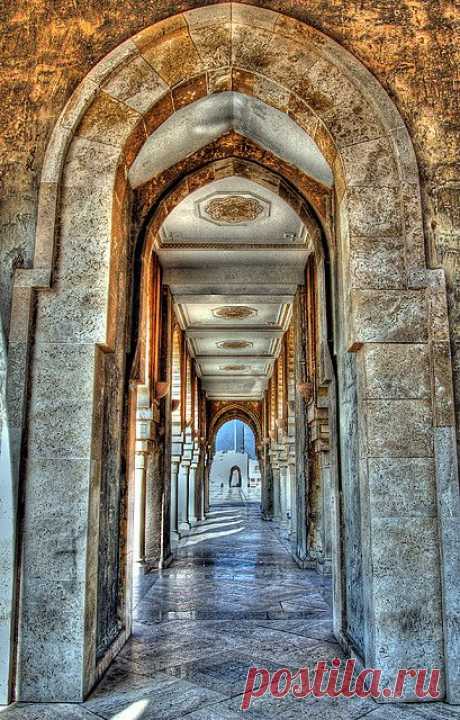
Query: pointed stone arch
(78,283)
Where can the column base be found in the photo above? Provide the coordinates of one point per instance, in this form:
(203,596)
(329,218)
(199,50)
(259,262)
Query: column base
(149,564)
(324,567)
(268,517)
(167,561)
(184,529)
(304,563)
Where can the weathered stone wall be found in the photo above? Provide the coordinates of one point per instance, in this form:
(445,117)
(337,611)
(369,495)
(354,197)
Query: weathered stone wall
(48,47)
(47,380)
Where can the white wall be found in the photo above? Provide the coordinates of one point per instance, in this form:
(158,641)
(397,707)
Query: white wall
(223,463)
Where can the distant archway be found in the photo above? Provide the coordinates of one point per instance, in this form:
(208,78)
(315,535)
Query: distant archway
(235,473)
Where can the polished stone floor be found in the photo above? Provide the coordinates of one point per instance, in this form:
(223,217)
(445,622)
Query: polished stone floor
(233,598)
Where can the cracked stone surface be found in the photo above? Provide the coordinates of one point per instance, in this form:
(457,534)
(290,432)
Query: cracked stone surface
(233,598)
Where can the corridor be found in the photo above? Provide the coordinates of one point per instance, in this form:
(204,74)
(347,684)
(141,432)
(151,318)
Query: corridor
(233,598)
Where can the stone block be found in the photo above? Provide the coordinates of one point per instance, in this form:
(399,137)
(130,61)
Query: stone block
(112,61)
(439,318)
(272,93)
(326,144)
(84,242)
(389,316)
(209,16)
(55,155)
(392,654)
(5,640)
(46,225)
(136,84)
(325,87)
(397,371)
(83,157)
(377,262)
(374,211)
(34,277)
(351,122)
(449,523)
(254,51)
(413,226)
(108,121)
(73,315)
(370,164)
(403,547)
(220,80)
(399,428)
(61,404)
(402,487)
(407,608)
(16,385)
(21,311)
(51,639)
(443,393)
(214,44)
(404,152)
(174,57)
(54,539)
(253,16)
(303,116)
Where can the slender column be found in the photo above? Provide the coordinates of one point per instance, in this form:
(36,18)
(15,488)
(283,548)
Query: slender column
(206,482)
(139,509)
(326,568)
(283,475)
(202,480)
(292,476)
(200,483)
(183,502)
(276,492)
(192,492)
(175,465)
(266,482)
(153,507)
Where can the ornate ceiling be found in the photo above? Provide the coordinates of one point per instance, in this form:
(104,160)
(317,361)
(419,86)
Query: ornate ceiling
(232,210)
(233,254)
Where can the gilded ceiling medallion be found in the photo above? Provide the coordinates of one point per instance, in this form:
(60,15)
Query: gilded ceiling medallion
(234,312)
(234,368)
(234,344)
(234,209)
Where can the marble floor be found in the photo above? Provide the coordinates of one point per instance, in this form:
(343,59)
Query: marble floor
(233,598)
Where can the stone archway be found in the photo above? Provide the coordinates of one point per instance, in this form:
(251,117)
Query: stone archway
(391,313)
(235,471)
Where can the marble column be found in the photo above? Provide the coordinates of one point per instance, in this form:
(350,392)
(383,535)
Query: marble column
(206,483)
(326,566)
(175,465)
(292,480)
(266,483)
(284,495)
(183,497)
(201,489)
(192,493)
(202,504)
(276,492)
(153,507)
(139,511)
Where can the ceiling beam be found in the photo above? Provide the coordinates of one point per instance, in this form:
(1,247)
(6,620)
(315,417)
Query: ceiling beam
(235,331)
